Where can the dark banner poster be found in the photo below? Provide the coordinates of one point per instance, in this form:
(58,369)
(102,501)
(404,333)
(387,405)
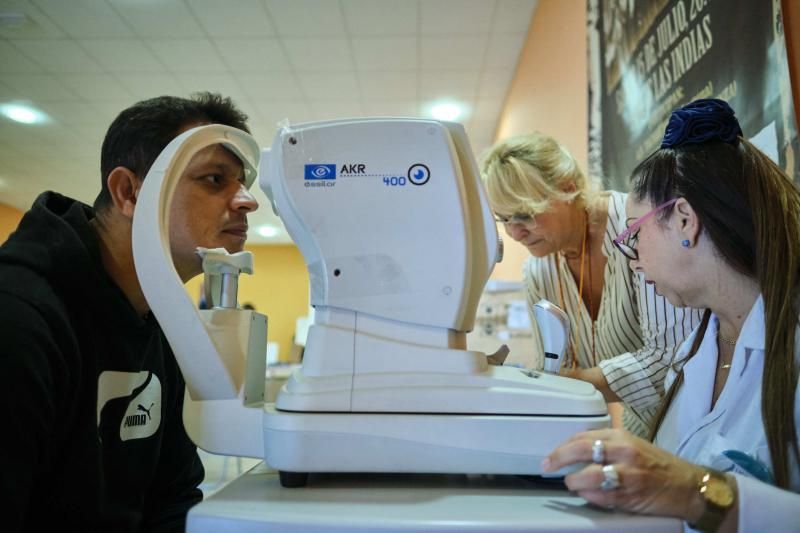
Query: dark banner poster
(648,57)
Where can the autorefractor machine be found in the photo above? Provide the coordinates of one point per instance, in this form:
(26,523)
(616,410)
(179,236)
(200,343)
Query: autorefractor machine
(395,229)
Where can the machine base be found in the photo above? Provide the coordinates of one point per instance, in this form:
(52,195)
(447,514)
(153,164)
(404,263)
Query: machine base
(299,443)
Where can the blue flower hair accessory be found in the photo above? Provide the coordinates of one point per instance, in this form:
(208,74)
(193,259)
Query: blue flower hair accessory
(701,121)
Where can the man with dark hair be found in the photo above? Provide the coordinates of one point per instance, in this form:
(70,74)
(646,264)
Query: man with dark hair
(93,434)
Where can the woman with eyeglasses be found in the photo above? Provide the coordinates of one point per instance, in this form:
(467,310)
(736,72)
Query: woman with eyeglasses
(716,225)
(622,333)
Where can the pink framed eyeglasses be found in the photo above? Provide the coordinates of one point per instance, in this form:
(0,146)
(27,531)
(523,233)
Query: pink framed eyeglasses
(626,240)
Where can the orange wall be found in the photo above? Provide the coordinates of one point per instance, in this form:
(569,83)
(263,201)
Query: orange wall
(279,289)
(549,93)
(9,218)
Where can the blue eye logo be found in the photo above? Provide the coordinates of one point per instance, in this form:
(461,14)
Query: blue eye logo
(320,172)
(419,174)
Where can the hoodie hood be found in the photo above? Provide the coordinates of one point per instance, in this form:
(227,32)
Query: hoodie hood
(55,242)
(54,239)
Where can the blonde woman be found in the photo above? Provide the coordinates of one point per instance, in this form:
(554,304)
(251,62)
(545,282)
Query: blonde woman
(623,335)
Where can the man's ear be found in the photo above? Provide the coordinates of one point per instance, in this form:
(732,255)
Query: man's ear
(686,221)
(124,185)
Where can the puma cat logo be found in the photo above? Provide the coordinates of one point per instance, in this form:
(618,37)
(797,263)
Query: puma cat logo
(138,422)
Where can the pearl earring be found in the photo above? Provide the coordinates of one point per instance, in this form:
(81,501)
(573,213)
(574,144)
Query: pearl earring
(685,243)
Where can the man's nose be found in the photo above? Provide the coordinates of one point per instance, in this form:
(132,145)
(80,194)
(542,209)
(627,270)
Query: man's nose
(243,200)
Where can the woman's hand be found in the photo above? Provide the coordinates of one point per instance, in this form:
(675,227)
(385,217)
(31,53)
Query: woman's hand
(651,480)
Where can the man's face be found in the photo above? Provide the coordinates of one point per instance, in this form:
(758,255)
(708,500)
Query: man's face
(209,208)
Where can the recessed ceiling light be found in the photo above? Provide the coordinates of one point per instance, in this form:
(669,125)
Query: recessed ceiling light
(23,113)
(267,231)
(448,111)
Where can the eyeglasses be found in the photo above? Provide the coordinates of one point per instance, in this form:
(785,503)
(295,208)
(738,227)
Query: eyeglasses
(516,218)
(626,240)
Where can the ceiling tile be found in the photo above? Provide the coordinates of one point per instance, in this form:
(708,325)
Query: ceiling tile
(513,16)
(83,150)
(253,55)
(369,17)
(452,52)
(487,110)
(187,55)
(58,56)
(86,19)
(58,135)
(6,93)
(13,61)
(480,144)
(495,83)
(453,17)
(275,112)
(165,18)
(35,24)
(329,86)
(334,109)
(232,18)
(385,53)
(319,54)
(96,87)
(91,137)
(69,113)
(503,50)
(13,133)
(388,85)
(392,108)
(247,107)
(354,57)
(263,131)
(461,85)
(106,112)
(149,85)
(44,87)
(306,18)
(265,87)
(7,153)
(122,55)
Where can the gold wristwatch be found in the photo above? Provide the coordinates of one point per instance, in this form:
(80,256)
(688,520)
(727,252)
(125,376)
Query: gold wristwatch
(718,495)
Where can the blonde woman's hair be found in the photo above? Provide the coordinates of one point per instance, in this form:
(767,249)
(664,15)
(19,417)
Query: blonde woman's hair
(523,174)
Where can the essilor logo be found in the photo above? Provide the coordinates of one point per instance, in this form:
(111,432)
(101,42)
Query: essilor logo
(320,172)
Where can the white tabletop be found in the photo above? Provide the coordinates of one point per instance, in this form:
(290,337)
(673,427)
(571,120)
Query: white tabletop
(399,502)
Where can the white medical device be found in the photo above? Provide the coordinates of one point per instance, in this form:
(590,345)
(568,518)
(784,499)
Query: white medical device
(395,229)
(554,329)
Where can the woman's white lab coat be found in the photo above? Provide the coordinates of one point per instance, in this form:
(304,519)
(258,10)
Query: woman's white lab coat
(699,434)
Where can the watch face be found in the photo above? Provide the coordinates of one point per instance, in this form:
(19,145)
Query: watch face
(719,492)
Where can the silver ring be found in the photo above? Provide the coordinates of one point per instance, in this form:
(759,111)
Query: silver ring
(610,478)
(598,452)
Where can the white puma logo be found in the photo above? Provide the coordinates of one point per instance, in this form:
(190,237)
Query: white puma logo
(138,422)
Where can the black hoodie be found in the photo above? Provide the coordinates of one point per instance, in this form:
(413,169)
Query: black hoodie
(92,397)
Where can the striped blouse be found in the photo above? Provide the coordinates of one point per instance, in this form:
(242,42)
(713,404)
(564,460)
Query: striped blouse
(636,331)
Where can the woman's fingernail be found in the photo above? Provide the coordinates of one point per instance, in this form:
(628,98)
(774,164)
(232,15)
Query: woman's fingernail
(545,464)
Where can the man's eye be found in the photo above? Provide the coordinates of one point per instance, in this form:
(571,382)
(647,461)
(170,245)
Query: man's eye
(214,179)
